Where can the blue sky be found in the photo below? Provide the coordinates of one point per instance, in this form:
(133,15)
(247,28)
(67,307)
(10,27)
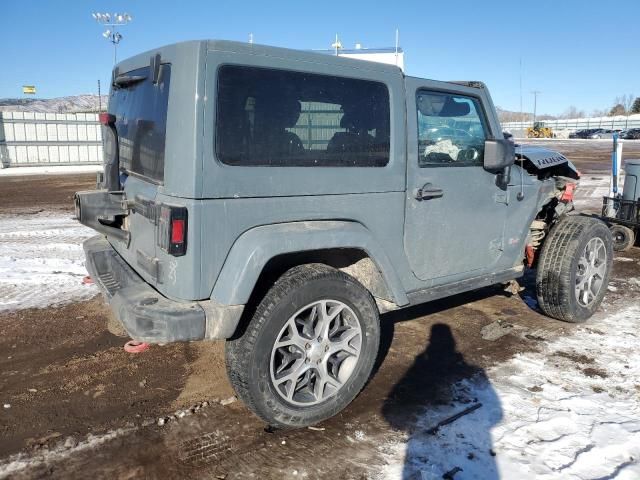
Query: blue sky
(579,53)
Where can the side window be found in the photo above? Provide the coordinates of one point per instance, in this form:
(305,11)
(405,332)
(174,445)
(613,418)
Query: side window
(268,117)
(451,130)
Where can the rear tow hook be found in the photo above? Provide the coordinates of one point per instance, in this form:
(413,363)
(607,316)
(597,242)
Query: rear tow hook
(135,347)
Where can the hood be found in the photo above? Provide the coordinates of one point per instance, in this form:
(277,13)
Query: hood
(540,157)
(543,159)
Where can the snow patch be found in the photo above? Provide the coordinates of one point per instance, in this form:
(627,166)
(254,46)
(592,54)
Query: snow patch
(42,261)
(21,461)
(589,193)
(571,411)
(623,259)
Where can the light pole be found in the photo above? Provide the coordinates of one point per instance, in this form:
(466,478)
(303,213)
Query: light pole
(112,21)
(337,45)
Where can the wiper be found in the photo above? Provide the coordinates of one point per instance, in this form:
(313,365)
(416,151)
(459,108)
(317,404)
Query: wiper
(126,80)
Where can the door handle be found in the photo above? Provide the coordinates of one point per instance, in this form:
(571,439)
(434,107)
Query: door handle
(428,191)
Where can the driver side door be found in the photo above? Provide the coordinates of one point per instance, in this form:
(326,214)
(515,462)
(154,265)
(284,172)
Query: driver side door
(455,212)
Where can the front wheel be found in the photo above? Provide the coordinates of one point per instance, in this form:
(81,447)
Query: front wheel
(309,348)
(574,268)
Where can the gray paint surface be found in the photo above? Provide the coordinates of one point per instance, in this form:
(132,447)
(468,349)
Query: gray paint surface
(240,217)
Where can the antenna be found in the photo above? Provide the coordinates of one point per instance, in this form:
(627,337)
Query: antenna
(535,103)
(251,38)
(520,195)
(397,41)
(521,112)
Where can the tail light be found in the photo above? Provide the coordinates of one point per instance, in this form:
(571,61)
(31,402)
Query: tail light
(107,118)
(172,230)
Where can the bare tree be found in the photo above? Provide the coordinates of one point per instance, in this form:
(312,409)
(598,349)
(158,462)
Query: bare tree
(626,101)
(572,112)
(617,109)
(509,116)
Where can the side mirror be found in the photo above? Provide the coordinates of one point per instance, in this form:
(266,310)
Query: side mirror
(499,154)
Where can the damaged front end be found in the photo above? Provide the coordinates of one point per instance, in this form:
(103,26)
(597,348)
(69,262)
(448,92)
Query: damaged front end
(547,165)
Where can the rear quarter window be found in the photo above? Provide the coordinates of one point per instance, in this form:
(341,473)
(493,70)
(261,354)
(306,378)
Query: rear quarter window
(269,117)
(140,109)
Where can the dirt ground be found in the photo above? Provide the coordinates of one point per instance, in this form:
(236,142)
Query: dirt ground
(589,156)
(22,194)
(69,382)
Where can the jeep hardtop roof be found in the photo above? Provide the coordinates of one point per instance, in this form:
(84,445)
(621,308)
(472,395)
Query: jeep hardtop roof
(228,46)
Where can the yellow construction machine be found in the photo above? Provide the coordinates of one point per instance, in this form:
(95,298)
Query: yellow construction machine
(539,131)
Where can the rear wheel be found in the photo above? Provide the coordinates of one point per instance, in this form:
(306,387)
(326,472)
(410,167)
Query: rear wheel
(574,268)
(623,238)
(309,348)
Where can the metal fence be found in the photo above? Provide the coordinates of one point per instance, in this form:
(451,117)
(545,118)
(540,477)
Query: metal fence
(621,122)
(34,139)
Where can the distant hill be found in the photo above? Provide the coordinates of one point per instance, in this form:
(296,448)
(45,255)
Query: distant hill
(72,104)
(509,116)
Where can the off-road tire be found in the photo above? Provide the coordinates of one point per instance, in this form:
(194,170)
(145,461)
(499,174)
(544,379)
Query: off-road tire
(623,238)
(248,356)
(558,264)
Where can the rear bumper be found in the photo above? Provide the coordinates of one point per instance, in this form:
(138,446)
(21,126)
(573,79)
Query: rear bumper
(147,315)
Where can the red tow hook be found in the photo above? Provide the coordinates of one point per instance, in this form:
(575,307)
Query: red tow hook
(567,195)
(530,254)
(135,347)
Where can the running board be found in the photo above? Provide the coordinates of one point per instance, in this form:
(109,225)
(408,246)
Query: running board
(441,291)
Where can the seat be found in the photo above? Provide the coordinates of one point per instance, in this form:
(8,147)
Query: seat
(273,115)
(355,139)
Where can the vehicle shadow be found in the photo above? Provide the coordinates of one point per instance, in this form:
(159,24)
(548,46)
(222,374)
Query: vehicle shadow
(438,387)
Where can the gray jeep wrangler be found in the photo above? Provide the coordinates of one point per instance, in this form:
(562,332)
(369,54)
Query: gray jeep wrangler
(281,200)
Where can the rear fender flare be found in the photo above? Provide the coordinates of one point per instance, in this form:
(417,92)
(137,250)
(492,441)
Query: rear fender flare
(254,248)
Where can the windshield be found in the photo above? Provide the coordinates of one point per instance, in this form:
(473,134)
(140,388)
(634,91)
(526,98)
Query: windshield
(140,108)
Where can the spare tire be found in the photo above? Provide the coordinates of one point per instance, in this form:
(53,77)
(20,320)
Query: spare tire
(574,268)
